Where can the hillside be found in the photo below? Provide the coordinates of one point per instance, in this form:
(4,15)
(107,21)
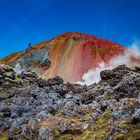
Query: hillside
(68,55)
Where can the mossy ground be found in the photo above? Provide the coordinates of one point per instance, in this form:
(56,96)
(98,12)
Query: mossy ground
(3,136)
(133,132)
(98,130)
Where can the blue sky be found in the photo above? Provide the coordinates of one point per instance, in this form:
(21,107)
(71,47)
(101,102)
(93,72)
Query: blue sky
(25,21)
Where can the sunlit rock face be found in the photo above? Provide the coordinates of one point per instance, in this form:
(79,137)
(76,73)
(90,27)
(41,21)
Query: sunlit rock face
(69,55)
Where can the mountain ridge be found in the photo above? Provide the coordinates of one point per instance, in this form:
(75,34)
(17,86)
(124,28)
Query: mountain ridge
(71,55)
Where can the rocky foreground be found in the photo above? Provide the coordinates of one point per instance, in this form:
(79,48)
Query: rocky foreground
(35,109)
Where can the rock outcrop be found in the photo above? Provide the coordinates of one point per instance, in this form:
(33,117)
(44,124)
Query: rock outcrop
(35,109)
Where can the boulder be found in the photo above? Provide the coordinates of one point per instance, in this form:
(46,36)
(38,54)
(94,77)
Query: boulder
(45,134)
(54,81)
(10,75)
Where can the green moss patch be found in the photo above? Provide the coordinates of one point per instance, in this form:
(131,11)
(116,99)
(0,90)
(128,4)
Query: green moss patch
(3,136)
(101,51)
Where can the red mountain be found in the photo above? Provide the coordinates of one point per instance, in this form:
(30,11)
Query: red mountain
(71,55)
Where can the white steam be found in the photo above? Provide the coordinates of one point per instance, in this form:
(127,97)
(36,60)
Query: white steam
(93,75)
(18,68)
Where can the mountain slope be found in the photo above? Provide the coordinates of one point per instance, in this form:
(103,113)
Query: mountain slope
(71,55)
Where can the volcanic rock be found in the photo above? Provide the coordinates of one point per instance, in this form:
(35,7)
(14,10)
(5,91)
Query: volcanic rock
(48,110)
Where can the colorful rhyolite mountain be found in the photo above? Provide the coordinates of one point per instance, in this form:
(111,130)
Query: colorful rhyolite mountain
(69,55)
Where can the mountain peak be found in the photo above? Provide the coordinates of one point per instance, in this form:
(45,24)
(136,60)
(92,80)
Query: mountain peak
(76,35)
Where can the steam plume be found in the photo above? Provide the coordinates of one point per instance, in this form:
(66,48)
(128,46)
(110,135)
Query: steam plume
(131,56)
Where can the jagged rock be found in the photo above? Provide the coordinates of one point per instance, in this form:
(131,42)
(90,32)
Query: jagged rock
(30,74)
(78,112)
(71,105)
(45,134)
(10,75)
(95,105)
(64,127)
(108,90)
(54,81)
(114,76)
(136,116)
(95,116)
(7,83)
(54,95)
(42,114)
(107,74)
(127,88)
(5,68)
(137,68)
(41,82)
(103,106)
(120,113)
